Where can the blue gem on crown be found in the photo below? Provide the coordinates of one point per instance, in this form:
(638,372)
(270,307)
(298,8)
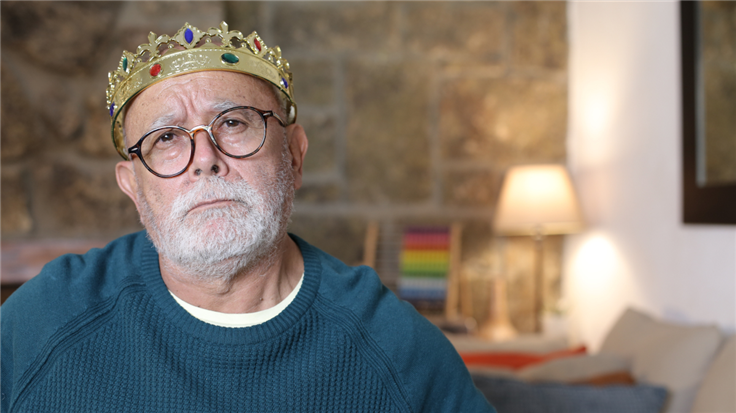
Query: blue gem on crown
(188,35)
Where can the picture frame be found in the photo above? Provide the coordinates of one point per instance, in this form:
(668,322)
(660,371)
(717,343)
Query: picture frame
(701,204)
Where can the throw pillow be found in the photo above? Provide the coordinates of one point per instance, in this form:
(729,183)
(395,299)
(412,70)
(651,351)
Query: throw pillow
(676,357)
(578,368)
(716,393)
(627,333)
(513,396)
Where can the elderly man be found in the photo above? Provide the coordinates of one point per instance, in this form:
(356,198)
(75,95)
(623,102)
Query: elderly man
(215,307)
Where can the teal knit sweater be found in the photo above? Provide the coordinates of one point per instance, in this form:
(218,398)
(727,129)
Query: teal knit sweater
(99,332)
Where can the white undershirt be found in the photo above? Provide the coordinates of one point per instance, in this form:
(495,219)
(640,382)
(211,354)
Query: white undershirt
(239,320)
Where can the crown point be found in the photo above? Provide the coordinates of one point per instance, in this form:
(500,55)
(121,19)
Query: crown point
(188,35)
(155,70)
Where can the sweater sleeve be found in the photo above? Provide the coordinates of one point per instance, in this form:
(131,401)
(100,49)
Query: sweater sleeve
(53,304)
(428,371)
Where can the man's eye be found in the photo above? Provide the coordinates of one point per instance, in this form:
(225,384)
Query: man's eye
(234,123)
(167,137)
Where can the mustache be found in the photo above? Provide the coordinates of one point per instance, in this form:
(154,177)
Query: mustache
(212,189)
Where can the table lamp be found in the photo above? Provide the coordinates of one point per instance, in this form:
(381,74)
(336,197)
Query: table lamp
(537,200)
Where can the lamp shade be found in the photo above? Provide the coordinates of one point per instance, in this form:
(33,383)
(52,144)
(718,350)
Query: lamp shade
(537,199)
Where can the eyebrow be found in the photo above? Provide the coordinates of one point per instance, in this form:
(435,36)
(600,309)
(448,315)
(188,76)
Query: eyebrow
(164,120)
(225,104)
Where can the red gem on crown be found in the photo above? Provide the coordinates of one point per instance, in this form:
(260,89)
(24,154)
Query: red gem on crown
(155,70)
(258,44)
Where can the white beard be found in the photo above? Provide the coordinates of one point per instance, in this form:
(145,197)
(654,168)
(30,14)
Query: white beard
(217,243)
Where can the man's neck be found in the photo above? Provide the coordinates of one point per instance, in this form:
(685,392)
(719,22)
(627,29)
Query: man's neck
(255,289)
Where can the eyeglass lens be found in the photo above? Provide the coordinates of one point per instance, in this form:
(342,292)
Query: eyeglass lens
(238,133)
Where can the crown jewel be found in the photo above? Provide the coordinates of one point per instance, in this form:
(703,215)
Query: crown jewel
(192,50)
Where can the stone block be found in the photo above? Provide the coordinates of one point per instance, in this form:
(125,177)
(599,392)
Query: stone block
(78,202)
(166,17)
(507,120)
(326,27)
(61,112)
(539,33)
(342,237)
(313,81)
(471,188)
(19,132)
(96,140)
(479,247)
(16,214)
(55,99)
(387,138)
(455,30)
(320,129)
(80,32)
(246,16)
(317,193)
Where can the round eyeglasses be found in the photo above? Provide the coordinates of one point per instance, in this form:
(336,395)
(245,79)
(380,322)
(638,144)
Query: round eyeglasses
(238,132)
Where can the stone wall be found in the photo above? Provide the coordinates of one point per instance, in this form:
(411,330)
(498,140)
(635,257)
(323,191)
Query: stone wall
(413,111)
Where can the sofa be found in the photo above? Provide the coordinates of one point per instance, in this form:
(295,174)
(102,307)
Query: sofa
(643,365)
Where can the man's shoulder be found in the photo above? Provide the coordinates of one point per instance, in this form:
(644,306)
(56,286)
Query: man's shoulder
(413,353)
(94,273)
(67,287)
(357,288)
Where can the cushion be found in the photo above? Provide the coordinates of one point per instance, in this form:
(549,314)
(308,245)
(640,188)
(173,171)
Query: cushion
(607,379)
(513,396)
(577,368)
(627,333)
(514,360)
(716,393)
(676,357)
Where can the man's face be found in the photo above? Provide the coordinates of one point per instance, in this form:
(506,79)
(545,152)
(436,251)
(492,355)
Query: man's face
(221,214)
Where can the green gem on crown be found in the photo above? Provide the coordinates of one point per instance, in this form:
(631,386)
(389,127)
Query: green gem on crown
(230,58)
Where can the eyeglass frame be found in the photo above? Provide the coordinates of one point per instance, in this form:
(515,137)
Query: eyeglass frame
(265,114)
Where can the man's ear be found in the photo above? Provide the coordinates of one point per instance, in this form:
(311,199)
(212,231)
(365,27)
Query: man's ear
(298,144)
(126,180)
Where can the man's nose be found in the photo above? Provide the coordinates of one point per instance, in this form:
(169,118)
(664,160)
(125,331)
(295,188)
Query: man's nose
(207,160)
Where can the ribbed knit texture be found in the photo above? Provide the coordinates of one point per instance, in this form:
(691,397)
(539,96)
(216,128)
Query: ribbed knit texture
(133,348)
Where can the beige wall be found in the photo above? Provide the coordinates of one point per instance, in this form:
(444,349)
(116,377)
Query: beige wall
(624,151)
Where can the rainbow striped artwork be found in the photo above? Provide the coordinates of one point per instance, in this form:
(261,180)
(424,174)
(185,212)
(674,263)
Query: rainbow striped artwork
(425,261)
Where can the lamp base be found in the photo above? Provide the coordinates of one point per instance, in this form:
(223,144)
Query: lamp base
(498,326)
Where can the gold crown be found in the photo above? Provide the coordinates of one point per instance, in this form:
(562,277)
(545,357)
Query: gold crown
(192,50)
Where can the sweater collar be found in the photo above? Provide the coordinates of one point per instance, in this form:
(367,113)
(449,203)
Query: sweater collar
(151,274)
